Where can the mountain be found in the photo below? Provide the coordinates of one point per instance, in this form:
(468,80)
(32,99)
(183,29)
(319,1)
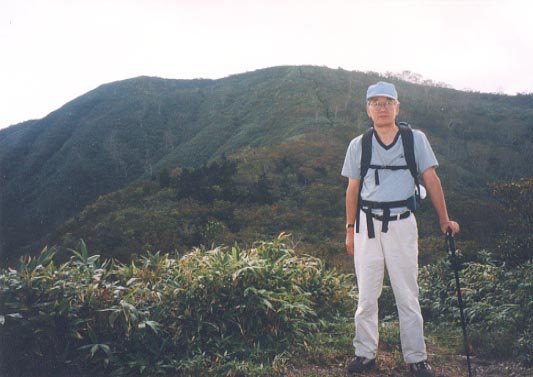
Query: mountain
(121,135)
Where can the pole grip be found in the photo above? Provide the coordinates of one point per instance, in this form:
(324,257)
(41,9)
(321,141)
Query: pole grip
(451,240)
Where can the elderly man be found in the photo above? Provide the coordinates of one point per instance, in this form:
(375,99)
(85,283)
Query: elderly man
(381,231)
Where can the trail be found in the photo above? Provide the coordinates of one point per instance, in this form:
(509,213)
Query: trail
(390,364)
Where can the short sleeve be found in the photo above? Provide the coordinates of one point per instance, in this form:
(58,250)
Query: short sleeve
(424,155)
(352,161)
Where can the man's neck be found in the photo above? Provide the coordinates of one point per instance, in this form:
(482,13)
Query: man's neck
(386,133)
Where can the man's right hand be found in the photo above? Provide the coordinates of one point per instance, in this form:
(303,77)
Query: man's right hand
(352,191)
(349,241)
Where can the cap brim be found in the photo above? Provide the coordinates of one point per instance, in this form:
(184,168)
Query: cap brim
(383,95)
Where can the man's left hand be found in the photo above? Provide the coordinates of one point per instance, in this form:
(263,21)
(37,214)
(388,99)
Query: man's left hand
(454,226)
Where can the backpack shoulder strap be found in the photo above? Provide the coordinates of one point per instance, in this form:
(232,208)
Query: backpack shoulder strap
(366,157)
(366,152)
(409,148)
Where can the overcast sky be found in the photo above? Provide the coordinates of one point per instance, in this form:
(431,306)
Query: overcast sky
(55,50)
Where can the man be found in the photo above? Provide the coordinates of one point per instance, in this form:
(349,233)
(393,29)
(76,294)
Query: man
(381,230)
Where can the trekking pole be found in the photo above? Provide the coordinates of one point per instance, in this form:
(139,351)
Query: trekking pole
(450,245)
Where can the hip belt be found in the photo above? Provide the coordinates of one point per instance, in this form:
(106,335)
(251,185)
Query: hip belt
(399,216)
(385,219)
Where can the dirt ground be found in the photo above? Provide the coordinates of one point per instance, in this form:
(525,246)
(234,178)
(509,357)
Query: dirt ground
(443,365)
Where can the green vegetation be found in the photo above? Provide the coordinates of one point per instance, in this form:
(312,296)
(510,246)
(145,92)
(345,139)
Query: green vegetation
(140,129)
(226,310)
(236,312)
(146,170)
(230,200)
(498,303)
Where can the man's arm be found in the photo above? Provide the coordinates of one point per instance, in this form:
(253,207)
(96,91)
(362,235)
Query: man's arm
(434,187)
(352,193)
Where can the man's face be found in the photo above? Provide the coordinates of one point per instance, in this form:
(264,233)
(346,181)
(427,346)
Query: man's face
(382,110)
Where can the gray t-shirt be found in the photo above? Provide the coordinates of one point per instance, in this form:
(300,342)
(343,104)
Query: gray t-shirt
(393,184)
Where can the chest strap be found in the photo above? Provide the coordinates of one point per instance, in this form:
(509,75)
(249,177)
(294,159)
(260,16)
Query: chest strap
(385,167)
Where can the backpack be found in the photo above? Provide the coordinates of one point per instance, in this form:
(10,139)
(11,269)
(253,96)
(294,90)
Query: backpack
(413,203)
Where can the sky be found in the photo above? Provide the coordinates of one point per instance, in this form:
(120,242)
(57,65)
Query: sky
(53,51)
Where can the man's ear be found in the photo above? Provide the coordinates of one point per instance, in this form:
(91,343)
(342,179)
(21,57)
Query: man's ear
(368,112)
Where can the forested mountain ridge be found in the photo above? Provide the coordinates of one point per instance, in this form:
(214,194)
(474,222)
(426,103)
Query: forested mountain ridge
(143,128)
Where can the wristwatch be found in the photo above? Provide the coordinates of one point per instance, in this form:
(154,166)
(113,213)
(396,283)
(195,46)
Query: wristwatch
(350,226)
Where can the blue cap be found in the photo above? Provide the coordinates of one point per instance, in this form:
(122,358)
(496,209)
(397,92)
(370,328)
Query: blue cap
(382,89)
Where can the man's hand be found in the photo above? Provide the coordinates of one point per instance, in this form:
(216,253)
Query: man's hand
(445,225)
(352,191)
(349,241)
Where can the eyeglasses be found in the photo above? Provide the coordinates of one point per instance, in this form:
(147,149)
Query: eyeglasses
(388,104)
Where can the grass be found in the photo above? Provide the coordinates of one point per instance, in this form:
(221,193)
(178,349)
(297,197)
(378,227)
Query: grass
(327,352)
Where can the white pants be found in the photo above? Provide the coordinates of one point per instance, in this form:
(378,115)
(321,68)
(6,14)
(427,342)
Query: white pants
(397,250)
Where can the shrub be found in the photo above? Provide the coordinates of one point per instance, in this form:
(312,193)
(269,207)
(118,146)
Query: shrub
(498,306)
(210,311)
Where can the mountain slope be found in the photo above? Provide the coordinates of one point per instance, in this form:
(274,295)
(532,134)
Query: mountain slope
(121,132)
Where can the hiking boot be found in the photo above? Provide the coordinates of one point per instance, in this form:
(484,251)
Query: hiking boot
(421,369)
(360,364)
